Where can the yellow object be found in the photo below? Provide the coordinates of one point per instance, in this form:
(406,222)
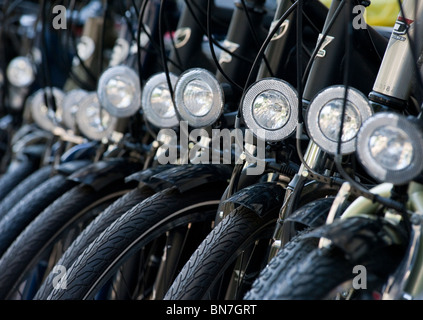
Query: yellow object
(379,13)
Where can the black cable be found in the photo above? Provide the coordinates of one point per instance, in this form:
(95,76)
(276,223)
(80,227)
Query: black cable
(156,48)
(215,42)
(255,38)
(49,98)
(103,35)
(262,50)
(163,51)
(138,37)
(300,58)
(348,48)
(212,51)
(323,38)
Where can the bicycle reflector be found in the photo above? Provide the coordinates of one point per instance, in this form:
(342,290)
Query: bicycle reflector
(390,148)
(324,117)
(270,109)
(157,103)
(119,91)
(93,121)
(42,115)
(20,72)
(199,97)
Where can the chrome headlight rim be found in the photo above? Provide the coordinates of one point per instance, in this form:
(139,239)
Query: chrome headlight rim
(70,107)
(129,77)
(247,103)
(19,62)
(375,168)
(154,82)
(335,93)
(44,117)
(83,123)
(218,100)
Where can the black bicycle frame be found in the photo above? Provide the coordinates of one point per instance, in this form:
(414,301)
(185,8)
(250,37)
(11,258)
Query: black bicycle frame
(326,70)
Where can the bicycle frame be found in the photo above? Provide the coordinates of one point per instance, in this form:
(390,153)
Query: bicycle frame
(324,72)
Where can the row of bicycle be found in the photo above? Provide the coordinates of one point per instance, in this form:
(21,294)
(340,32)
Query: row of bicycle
(200,149)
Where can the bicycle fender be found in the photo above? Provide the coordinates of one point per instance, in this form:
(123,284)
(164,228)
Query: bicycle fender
(68,168)
(360,237)
(261,198)
(188,177)
(145,175)
(100,174)
(80,151)
(314,216)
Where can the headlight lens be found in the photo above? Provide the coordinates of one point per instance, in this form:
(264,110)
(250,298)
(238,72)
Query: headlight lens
(199,98)
(157,102)
(330,118)
(20,72)
(390,147)
(71,105)
(119,91)
(270,109)
(324,117)
(43,116)
(93,121)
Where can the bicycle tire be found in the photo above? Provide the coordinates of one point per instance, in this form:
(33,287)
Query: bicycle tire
(28,208)
(47,228)
(241,228)
(17,172)
(23,188)
(291,254)
(139,226)
(90,233)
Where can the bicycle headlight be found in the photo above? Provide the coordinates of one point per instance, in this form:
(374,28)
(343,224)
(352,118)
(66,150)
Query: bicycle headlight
(324,118)
(270,109)
(390,147)
(157,102)
(70,107)
(20,72)
(42,115)
(119,91)
(93,121)
(199,98)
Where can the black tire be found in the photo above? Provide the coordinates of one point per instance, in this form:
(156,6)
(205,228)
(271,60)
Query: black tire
(92,231)
(17,172)
(291,254)
(22,189)
(77,206)
(29,207)
(146,228)
(301,271)
(208,273)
